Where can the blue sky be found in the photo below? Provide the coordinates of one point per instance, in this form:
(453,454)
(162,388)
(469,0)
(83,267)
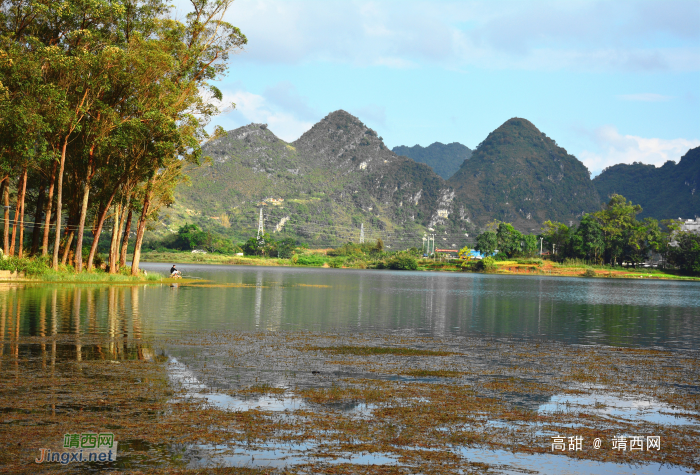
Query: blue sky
(610,81)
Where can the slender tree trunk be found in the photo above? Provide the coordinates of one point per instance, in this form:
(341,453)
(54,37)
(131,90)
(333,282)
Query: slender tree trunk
(66,249)
(81,226)
(141,228)
(47,213)
(115,239)
(117,243)
(37,218)
(98,230)
(125,239)
(13,239)
(20,252)
(6,215)
(69,234)
(59,196)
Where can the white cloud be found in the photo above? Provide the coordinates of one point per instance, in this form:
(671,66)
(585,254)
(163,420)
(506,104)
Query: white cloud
(645,97)
(614,148)
(256,108)
(580,35)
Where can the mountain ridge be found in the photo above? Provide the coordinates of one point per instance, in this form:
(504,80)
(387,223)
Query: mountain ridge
(519,175)
(445,159)
(339,176)
(667,192)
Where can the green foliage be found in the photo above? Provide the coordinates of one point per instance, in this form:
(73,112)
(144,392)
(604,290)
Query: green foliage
(470,265)
(402,261)
(311,260)
(191,237)
(588,241)
(486,264)
(509,239)
(30,266)
(511,167)
(686,254)
(336,262)
(589,273)
(530,245)
(530,260)
(464,252)
(379,246)
(663,192)
(486,243)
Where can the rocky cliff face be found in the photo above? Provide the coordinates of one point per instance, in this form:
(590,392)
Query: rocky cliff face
(322,187)
(520,175)
(667,192)
(339,175)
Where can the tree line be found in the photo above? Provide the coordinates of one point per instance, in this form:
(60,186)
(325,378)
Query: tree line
(612,236)
(102,103)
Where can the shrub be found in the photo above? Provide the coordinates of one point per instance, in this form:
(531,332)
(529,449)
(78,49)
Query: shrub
(403,262)
(501,256)
(469,265)
(30,266)
(589,273)
(336,263)
(486,264)
(311,260)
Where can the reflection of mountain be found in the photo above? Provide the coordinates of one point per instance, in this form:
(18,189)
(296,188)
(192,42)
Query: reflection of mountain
(668,192)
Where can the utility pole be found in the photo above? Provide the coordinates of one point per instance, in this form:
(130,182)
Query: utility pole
(424,248)
(362,233)
(541,246)
(261,231)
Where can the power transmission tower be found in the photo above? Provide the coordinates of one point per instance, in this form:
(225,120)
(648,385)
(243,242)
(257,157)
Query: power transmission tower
(362,233)
(261,231)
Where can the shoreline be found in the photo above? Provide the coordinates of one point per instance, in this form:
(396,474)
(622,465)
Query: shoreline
(503,268)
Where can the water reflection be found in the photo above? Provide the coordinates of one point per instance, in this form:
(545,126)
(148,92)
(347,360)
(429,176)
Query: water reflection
(94,323)
(586,311)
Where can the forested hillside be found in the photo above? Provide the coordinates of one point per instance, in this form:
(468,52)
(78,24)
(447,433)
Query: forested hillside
(444,159)
(667,192)
(319,189)
(519,175)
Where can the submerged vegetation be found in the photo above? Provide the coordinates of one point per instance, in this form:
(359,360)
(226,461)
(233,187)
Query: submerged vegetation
(263,403)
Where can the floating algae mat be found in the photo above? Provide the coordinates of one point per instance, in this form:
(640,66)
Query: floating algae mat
(335,402)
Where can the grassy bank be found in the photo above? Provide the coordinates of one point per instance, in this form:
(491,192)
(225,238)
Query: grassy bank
(38,269)
(321,258)
(574,269)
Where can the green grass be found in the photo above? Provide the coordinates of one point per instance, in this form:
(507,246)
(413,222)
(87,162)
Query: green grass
(38,268)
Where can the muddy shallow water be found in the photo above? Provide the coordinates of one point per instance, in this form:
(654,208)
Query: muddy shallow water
(334,371)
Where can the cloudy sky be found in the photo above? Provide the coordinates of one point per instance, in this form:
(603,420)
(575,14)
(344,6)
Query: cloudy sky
(610,81)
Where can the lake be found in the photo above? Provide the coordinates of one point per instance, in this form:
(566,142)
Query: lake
(274,359)
(617,312)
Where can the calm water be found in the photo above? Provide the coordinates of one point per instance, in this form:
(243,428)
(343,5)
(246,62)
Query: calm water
(585,311)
